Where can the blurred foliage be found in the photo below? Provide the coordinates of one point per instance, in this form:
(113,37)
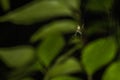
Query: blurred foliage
(55,52)
(20,55)
(97,48)
(99,5)
(5,4)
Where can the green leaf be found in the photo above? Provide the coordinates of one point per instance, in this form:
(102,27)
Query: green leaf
(75,4)
(17,56)
(50,48)
(36,12)
(69,66)
(98,53)
(112,72)
(99,5)
(65,78)
(63,26)
(5,4)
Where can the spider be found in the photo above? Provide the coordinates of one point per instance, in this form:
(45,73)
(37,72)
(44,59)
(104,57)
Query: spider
(79,31)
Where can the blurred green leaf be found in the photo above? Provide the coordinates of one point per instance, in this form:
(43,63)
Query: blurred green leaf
(36,12)
(69,66)
(17,56)
(75,4)
(112,72)
(66,78)
(98,53)
(50,48)
(63,26)
(5,4)
(99,5)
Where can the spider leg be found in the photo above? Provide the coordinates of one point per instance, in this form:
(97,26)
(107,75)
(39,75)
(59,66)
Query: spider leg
(78,33)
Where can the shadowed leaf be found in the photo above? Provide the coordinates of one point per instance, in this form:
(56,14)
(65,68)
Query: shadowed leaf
(99,5)
(5,4)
